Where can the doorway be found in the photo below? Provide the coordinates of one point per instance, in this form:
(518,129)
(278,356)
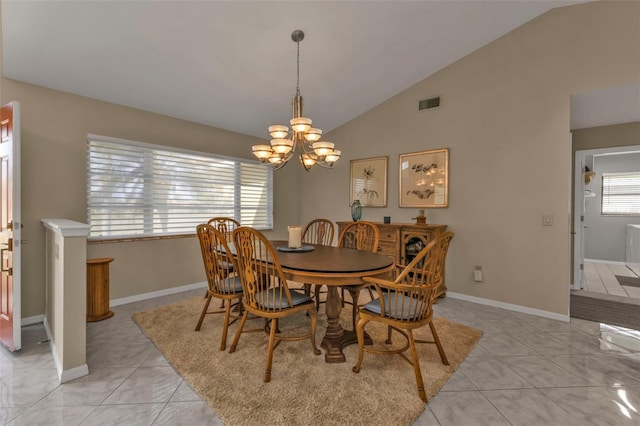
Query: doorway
(605,125)
(600,249)
(605,289)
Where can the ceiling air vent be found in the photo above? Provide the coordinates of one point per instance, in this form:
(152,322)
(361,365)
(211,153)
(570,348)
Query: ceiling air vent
(429,103)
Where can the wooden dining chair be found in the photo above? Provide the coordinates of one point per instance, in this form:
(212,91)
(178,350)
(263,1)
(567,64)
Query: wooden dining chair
(436,276)
(404,305)
(359,235)
(226,225)
(318,231)
(223,282)
(266,291)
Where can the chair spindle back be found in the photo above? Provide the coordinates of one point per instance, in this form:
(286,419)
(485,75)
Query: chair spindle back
(360,235)
(264,284)
(217,264)
(411,294)
(319,231)
(436,272)
(226,225)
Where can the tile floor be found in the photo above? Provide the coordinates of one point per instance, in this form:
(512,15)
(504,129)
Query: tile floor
(526,370)
(600,277)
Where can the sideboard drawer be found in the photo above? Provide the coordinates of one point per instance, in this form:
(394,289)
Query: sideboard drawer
(388,233)
(387,247)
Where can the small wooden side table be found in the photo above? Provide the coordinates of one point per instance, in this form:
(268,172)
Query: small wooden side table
(98,289)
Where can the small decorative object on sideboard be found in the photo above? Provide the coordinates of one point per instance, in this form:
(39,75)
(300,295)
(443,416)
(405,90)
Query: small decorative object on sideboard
(421,219)
(356,210)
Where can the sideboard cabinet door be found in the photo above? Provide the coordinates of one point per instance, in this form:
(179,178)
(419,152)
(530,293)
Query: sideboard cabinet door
(414,238)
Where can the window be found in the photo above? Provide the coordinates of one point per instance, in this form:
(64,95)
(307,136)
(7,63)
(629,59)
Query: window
(621,194)
(141,190)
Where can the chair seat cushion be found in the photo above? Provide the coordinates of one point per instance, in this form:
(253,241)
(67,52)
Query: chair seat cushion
(296,298)
(396,307)
(231,285)
(227,266)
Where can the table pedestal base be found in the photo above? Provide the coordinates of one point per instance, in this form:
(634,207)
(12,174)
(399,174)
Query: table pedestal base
(334,346)
(336,338)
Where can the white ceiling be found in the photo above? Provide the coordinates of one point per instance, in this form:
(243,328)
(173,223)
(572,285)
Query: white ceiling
(232,64)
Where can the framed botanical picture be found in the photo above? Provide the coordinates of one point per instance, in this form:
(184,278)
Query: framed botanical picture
(369,181)
(424,178)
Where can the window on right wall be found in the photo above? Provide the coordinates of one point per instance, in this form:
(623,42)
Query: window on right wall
(621,194)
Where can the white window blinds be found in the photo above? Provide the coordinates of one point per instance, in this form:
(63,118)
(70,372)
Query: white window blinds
(141,190)
(621,194)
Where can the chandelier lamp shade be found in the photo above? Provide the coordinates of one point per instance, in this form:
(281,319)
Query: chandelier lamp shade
(302,140)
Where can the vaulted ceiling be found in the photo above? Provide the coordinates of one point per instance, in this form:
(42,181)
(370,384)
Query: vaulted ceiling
(232,64)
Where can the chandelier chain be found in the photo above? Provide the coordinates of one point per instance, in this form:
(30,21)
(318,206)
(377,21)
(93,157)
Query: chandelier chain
(298,69)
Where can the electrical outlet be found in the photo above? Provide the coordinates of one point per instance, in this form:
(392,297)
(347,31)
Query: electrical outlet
(477,274)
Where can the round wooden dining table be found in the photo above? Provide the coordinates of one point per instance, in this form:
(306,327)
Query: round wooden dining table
(333,267)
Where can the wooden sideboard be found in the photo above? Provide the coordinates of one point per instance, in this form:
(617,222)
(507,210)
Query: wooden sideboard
(403,241)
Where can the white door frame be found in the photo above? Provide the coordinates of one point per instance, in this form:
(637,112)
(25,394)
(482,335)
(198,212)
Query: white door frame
(578,211)
(578,221)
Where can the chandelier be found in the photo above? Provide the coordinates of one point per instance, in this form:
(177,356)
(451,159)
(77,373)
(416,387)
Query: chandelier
(303,141)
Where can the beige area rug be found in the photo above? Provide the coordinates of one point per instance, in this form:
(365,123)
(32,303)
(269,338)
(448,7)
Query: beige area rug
(304,390)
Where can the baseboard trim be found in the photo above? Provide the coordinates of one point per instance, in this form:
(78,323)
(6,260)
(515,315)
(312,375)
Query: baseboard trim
(36,319)
(510,307)
(46,329)
(610,262)
(159,293)
(73,373)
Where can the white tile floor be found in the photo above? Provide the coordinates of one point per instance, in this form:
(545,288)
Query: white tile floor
(526,370)
(600,277)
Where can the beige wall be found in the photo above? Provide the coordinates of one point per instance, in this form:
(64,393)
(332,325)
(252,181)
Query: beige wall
(505,117)
(606,136)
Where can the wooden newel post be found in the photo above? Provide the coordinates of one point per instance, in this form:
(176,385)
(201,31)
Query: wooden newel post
(98,289)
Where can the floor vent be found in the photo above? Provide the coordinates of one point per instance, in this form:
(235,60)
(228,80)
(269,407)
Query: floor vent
(429,103)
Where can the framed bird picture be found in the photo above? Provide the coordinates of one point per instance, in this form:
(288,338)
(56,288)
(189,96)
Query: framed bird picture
(369,181)
(424,178)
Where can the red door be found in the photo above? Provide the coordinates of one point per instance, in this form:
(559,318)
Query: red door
(10,315)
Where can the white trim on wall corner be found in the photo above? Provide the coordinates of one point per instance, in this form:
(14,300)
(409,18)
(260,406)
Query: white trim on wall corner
(151,295)
(70,373)
(73,373)
(510,307)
